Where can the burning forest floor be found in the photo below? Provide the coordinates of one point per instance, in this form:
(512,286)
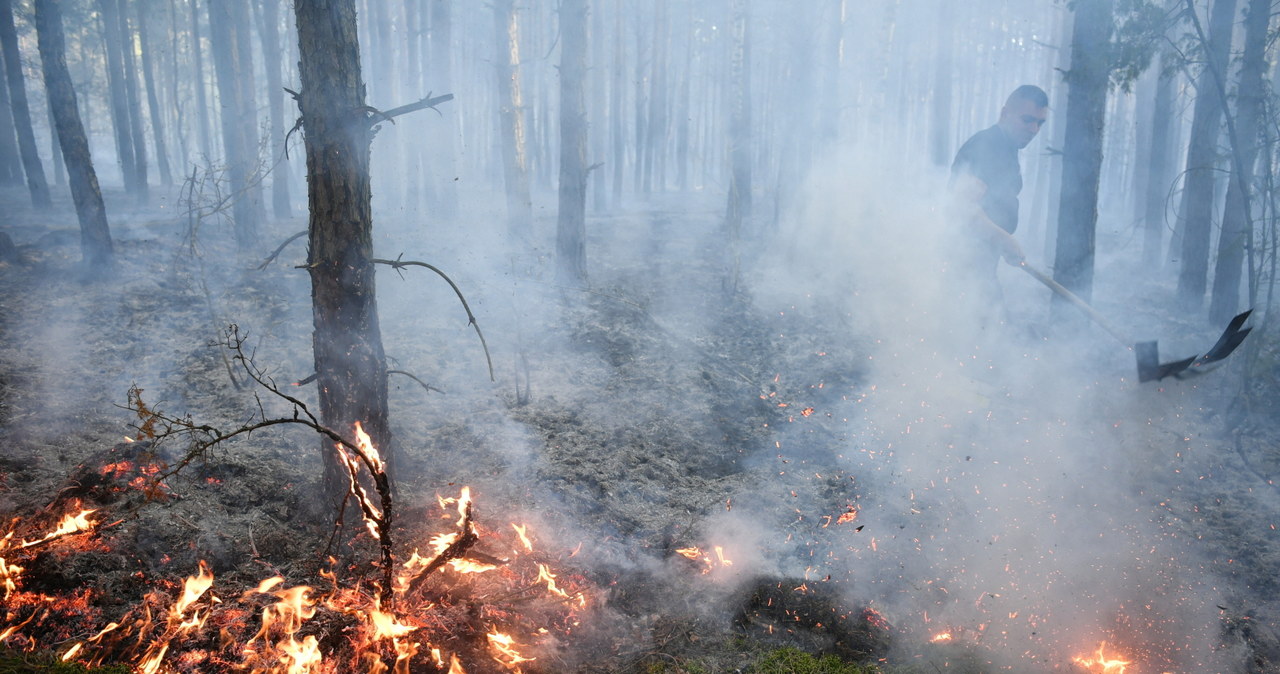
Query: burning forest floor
(666,475)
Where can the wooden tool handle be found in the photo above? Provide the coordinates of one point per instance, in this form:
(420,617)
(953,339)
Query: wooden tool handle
(1071,297)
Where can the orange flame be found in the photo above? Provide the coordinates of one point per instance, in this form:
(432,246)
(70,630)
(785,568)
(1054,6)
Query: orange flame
(365,443)
(505,649)
(1103,665)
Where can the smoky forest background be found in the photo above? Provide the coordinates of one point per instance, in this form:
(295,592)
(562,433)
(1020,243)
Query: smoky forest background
(631,336)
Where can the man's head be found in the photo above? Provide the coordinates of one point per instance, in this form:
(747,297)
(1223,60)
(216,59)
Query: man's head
(1024,113)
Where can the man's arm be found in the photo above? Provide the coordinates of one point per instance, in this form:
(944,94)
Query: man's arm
(967,191)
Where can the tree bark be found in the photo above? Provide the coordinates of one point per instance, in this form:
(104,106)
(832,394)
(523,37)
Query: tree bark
(95,236)
(1237,222)
(571,230)
(36,183)
(350,364)
(1202,160)
(153,99)
(1087,83)
(511,118)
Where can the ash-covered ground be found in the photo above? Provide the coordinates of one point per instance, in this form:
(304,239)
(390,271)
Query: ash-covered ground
(870,484)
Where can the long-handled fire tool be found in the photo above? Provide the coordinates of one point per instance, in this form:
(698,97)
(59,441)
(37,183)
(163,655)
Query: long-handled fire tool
(1149,366)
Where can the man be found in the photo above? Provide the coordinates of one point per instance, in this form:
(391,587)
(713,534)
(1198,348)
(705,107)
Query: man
(986,180)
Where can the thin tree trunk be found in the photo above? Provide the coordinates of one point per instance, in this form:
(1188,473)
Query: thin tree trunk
(95,236)
(59,166)
(511,118)
(1156,191)
(655,165)
(444,130)
(1237,218)
(940,127)
(10,162)
(1202,160)
(119,97)
(738,210)
(350,363)
(571,230)
(130,72)
(153,100)
(1087,84)
(21,112)
(617,123)
(270,33)
(197,64)
(236,124)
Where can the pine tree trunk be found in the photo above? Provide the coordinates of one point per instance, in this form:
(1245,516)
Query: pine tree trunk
(153,100)
(444,130)
(270,33)
(1237,222)
(21,111)
(511,114)
(617,123)
(130,73)
(1202,160)
(95,236)
(1087,84)
(571,231)
(655,171)
(10,162)
(238,123)
(350,364)
(1156,190)
(738,210)
(197,65)
(940,125)
(59,166)
(119,98)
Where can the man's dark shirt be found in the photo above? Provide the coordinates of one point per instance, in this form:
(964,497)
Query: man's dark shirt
(992,158)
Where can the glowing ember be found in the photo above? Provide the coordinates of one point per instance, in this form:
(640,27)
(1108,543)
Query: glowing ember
(1102,664)
(941,637)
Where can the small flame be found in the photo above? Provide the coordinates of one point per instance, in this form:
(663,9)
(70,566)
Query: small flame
(70,524)
(365,443)
(941,637)
(505,649)
(1102,663)
(522,532)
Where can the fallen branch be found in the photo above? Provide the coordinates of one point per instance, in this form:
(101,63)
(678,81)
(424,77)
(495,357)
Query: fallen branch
(157,426)
(467,537)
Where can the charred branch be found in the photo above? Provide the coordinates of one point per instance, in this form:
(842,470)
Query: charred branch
(157,426)
(399,264)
